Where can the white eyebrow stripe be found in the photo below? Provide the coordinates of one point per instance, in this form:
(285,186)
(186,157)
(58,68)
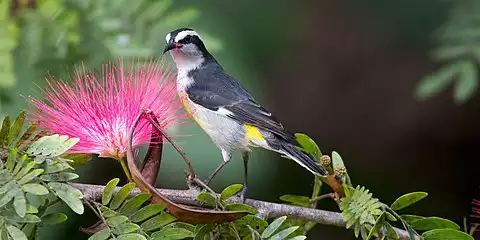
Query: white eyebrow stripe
(185,33)
(168,37)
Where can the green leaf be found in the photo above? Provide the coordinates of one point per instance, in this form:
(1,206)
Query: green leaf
(433,223)
(121,195)
(437,81)
(78,158)
(9,195)
(407,200)
(131,236)
(390,217)
(206,197)
(187,226)
(19,165)
(56,167)
(273,227)
(446,234)
(16,233)
(172,234)
(7,186)
(241,207)
(16,128)
(467,82)
(157,222)
(29,229)
(147,212)
(252,221)
(63,147)
(107,212)
(337,160)
(391,231)
(116,220)
(53,218)
(30,176)
(41,146)
(134,203)
(202,231)
(35,188)
(31,209)
(11,160)
(25,170)
(108,191)
(284,233)
(308,145)
(40,159)
(297,200)
(378,223)
(29,218)
(69,195)
(4,131)
(230,191)
(100,235)
(411,218)
(59,177)
(20,204)
(124,228)
(53,145)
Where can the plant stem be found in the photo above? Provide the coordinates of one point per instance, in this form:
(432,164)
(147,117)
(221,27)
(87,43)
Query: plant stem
(125,169)
(318,198)
(405,224)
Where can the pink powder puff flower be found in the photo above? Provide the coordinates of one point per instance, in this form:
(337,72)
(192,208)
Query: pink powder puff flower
(101,112)
(475,216)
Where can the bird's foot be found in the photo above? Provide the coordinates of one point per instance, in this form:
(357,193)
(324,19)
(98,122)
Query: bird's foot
(207,181)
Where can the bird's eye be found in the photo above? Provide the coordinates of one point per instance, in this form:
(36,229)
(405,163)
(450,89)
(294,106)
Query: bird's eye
(187,39)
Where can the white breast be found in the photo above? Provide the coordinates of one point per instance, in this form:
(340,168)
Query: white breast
(185,64)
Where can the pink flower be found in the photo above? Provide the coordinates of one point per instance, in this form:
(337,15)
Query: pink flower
(475,216)
(101,111)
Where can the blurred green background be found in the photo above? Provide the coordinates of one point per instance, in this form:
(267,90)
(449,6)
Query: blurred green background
(343,72)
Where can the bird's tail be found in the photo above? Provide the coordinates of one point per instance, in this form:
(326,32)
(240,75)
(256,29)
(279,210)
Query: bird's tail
(304,159)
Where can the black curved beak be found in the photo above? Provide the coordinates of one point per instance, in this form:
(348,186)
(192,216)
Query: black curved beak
(170,45)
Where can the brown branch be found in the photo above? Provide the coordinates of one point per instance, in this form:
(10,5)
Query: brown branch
(266,209)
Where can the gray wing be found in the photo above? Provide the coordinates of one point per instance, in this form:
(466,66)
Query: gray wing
(218,92)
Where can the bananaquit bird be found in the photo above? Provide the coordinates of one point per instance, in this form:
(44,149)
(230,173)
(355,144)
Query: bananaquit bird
(224,109)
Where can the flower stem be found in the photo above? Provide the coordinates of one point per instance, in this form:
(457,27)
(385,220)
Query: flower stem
(125,169)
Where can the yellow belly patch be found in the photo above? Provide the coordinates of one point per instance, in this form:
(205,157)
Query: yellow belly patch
(186,106)
(252,133)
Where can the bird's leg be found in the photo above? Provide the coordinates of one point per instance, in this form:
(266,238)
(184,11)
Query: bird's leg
(243,193)
(226,159)
(214,173)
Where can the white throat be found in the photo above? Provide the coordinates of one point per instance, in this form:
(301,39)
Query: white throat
(185,64)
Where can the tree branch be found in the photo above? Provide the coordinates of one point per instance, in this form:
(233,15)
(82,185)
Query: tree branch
(266,209)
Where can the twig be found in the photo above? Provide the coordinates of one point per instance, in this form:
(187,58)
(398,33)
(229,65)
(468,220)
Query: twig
(328,195)
(98,226)
(202,184)
(149,114)
(267,209)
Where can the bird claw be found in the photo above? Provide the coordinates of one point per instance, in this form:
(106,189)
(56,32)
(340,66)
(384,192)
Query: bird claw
(207,181)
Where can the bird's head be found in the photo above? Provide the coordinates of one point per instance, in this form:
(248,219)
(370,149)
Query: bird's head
(185,46)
